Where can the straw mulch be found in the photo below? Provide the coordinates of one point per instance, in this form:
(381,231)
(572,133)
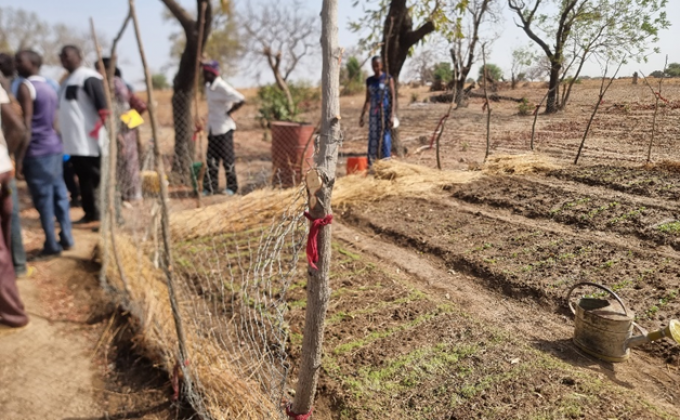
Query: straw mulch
(391,179)
(519,164)
(222,394)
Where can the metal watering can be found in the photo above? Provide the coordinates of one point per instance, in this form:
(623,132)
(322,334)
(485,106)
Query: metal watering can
(604,331)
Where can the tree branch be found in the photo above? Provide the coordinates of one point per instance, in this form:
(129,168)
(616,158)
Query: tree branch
(180,14)
(413,37)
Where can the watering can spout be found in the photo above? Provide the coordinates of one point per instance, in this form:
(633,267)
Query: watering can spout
(672,331)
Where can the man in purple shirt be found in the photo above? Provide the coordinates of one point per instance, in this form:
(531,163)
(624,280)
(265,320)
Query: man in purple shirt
(43,158)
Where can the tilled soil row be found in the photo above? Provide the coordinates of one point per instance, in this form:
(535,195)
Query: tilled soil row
(580,207)
(636,181)
(527,261)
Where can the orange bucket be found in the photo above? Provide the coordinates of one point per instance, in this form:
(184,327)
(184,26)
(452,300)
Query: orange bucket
(357,164)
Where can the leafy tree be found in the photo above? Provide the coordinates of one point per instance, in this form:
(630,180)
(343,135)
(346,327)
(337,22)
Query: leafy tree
(493,72)
(658,74)
(396,26)
(569,32)
(159,81)
(352,77)
(673,70)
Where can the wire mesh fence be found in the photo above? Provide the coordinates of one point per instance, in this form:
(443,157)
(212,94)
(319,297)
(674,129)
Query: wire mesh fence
(231,259)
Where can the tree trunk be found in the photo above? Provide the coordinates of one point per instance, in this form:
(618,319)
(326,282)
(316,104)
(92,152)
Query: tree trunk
(320,188)
(183,93)
(398,38)
(552,104)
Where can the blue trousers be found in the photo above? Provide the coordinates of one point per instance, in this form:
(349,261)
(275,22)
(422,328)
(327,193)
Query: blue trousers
(16,241)
(45,179)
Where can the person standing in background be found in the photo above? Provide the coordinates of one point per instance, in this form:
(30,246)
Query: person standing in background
(379,104)
(129,181)
(43,160)
(82,112)
(21,269)
(223,100)
(12,313)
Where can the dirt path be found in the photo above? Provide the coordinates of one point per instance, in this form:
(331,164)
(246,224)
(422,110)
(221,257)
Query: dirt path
(76,360)
(47,370)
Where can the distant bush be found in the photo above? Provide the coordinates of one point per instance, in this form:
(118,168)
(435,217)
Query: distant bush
(673,70)
(159,81)
(352,78)
(494,72)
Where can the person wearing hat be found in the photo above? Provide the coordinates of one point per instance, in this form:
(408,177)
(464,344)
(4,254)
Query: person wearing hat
(223,100)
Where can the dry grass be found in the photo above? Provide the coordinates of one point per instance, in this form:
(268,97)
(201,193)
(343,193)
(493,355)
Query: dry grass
(519,164)
(396,179)
(392,178)
(222,394)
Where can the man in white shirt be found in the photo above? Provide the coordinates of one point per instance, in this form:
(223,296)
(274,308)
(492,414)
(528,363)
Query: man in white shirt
(82,112)
(223,100)
(12,313)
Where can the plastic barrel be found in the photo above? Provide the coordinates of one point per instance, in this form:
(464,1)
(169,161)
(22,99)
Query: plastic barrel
(291,156)
(357,164)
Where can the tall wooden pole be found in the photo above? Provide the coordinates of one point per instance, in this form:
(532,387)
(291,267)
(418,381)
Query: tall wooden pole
(199,139)
(320,183)
(165,217)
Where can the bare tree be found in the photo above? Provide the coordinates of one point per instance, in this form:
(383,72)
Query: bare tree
(466,37)
(521,59)
(21,30)
(183,84)
(282,34)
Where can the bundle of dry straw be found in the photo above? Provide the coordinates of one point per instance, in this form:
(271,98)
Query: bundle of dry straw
(519,164)
(392,179)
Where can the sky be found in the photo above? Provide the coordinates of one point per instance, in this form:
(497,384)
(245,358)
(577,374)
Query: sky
(109,14)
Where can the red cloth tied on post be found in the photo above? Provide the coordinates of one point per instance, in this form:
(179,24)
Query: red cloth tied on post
(312,247)
(103,114)
(294,416)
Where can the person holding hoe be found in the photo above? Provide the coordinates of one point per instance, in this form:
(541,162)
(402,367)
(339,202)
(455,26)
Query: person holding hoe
(380,106)
(223,100)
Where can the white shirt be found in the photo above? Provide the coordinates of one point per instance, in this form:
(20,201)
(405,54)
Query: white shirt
(78,116)
(221,98)
(5,161)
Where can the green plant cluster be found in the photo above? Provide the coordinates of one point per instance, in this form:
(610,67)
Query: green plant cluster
(526,108)
(274,105)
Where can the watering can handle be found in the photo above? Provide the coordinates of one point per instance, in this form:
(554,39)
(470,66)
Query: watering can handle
(599,286)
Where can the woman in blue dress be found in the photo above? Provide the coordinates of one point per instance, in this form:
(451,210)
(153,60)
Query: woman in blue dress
(379,100)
